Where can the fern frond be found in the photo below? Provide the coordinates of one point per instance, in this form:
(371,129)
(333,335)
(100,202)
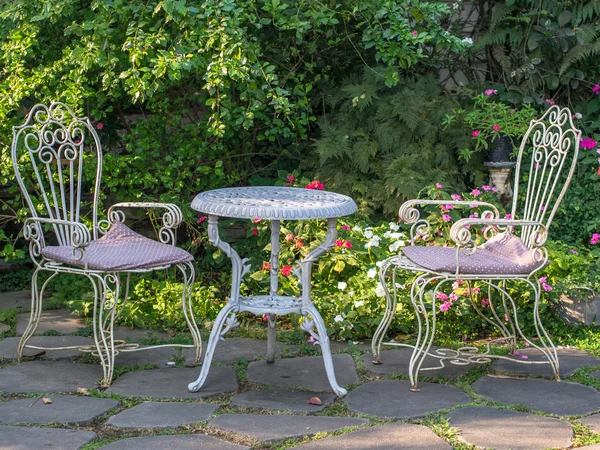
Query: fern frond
(501,11)
(493,37)
(579,53)
(500,55)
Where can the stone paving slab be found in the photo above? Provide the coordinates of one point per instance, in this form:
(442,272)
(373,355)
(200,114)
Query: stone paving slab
(590,447)
(232,349)
(137,334)
(159,357)
(272,428)
(19,300)
(59,320)
(307,372)
(283,400)
(552,397)
(64,409)
(394,399)
(4,328)
(504,429)
(395,436)
(396,361)
(595,374)
(25,438)
(172,383)
(8,347)
(593,422)
(179,442)
(569,361)
(163,415)
(48,377)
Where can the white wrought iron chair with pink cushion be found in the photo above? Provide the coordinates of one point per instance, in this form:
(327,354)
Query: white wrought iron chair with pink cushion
(513,252)
(54,152)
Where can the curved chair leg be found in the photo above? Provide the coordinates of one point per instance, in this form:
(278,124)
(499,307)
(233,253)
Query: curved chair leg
(103,320)
(216,334)
(189,276)
(322,339)
(36,310)
(388,315)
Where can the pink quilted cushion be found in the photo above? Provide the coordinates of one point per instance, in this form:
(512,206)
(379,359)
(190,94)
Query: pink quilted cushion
(121,249)
(504,254)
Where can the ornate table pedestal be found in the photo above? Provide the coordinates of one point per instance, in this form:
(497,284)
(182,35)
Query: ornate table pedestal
(274,204)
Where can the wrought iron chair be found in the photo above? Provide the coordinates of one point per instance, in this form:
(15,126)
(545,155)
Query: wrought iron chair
(514,251)
(53,154)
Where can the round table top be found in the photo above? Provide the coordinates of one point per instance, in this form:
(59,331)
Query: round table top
(273,203)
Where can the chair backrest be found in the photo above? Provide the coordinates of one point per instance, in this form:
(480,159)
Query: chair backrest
(49,153)
(547,156)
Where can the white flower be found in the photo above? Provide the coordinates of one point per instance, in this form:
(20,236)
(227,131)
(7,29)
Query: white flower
(395,246)
(577,116)
(368,233)
(372,273)
(379,263)
(351,293)
(397,235)
(455,6)
(359,303)
(342,285)
(338,318)
(394,226)
(356,228)
(400,286)
(373,242)
(379,290)
(387,235)
(468,40)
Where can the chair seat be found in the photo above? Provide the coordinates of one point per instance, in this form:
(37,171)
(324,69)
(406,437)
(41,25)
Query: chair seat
(505,254)
(120,249)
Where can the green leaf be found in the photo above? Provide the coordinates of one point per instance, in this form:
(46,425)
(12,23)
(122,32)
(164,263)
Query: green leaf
(565,17)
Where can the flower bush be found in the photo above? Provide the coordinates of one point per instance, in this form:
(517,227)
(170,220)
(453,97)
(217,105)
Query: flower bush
(488,119)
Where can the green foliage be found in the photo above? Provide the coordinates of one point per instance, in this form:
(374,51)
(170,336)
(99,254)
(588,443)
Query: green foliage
(542,50)
(381,145)
(488,119)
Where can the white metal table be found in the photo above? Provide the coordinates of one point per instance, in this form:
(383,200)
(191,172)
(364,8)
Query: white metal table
(274,204)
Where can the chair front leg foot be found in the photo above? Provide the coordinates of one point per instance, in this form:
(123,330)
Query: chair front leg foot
(34,315)
(106,296)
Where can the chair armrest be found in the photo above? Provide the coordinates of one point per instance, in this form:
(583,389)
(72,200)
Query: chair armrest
(171,218)
(460,232)
(80,236)
(409,214)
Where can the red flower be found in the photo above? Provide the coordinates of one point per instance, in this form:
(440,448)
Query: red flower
(99,125)
(254,231)
(266,266)
(339,243)
(201,219)
(255,220)
(289,237)
(347,244)
(315,185)
(345,227)
(286,270)
(291,177)
(299,243)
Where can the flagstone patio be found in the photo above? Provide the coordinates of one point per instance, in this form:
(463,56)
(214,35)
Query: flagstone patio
(260,406)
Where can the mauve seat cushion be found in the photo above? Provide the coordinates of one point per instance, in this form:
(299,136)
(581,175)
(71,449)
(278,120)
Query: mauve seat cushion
(504,254)
(120,249)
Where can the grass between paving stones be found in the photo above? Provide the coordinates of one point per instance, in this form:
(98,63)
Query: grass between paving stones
(8,317)
(583,435)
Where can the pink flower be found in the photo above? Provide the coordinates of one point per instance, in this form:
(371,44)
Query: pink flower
(315,185)
(266,266)
(289,237)
(575,252)
(475,290)
(475,133)
(255,220)
(588,143)
(414,32)
(596,89)
(446,207)
(347,244)
(494,189)
(440,295)
(517,352)
(456,197)
(485,187)
(445,306)
(453,297)
(446,217)
(339,243)
(345,227)
(201,219)
(496,127)
(291,177)
(286,270)
(474,216)
(438,185)
(99,125)
(595,238)
(550,101)
(254,231)
(299,243)
(475,192)
(546,287)
(457,284)
(507,217)
(485,302)
(543,279)
(524,356)
(489,92)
